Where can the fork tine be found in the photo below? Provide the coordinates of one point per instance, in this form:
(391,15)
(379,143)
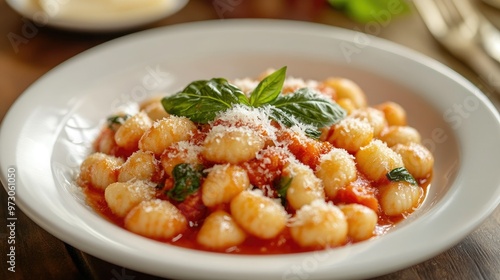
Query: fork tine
(469,16)
(489,35)
(432,17)
(447,10)
(459,34)
(440,16)
(461,16)
(466,9)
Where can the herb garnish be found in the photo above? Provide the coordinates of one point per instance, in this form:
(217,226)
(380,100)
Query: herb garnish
(306,107)
(401,174)
(283,185)
(116,120)
(202,100)
(268,89)
(187,180)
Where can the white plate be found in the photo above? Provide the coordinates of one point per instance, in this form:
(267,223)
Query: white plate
(48,131)
(96,15)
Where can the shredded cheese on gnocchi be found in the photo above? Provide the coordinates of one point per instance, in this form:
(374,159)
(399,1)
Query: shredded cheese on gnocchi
(245,183)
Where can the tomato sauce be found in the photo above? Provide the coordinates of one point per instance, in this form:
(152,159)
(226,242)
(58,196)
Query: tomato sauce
(282,244)
(263,171)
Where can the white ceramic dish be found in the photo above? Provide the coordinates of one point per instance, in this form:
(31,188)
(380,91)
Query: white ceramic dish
(96,15)
(48,131)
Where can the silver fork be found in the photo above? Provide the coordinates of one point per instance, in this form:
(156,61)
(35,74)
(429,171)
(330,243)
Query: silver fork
(465,34)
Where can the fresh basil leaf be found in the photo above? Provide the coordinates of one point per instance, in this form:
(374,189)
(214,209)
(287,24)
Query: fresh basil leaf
(195,86)
(309,108)
(287,120)
(401,174)
(283,185)
(313,133)
(187,180)
(116,120)
(217,87)
(202,100)
(268,89)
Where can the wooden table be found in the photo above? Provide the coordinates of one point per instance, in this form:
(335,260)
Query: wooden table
(39,255)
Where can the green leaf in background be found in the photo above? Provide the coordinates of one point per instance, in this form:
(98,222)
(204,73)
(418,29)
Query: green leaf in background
(365,11)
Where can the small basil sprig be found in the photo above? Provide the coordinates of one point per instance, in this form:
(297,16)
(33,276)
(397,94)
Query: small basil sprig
(187,180)
(202,100)
(401,174)
(268,89)
(282,188)
(116,120)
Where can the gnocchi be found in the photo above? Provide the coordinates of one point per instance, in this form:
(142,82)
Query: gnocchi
(319,224)
(100,170)
(394,113)
(220,231)
(259,215)
(129,134)
(154,109)
(141,166)
(417,159)
(233,145)
(336,170)
(304,186)
(397,198)
(361,221)
(166,132)
(374,117)
(122,197)
(177,153)
(400,135)
(375,160)
(267,173)
(348,89)
(222,183)
(351,134)
(156,219)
